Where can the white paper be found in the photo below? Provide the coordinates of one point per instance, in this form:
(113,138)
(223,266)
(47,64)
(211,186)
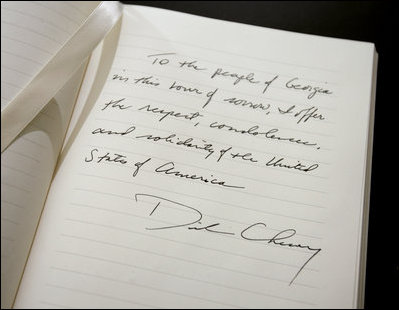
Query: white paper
(178,193)
(32,33)
(27,167)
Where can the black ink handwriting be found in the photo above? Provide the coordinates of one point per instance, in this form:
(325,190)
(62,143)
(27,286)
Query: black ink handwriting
(249,104)
(277,240)
(113,132)
(116,104)
(268,83)
(190,64)
(120,77)
(250,77)
(269,134)
(138,165)
(313,90)
(192,219)
(281,163)
(147,80)
(304,114)
(245,156)
(185,88)
(190,143)
(210,95)
(156,110)
(116,158)
(161,61)
(169,168)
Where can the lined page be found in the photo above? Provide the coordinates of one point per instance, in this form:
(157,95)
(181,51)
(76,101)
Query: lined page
(220,167)
(27,167)
(32,32)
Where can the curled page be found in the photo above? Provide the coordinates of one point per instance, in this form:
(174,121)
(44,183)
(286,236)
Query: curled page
(32,33)
(27,167)
(57,65)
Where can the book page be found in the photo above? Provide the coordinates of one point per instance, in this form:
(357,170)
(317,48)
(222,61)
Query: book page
(223,165)
(27,168)
(32,32)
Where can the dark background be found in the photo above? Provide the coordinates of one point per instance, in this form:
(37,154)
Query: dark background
(372,21)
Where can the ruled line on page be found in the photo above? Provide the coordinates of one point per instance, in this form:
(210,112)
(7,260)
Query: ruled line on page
(157,237)
(212,62)
(259,97)
(13,204)
(227,159)
(182,121)
(26,43)
(20,188)
(123,94)
(57,12)
(16,70)
(216,142)
(23,57)
(10,84)
(97,295)
(32,33)
(85,8)
(207,75)
(81,205)
(80,8)
(31,158)
(150,100)
(225,104)
(200,198)
(204,199)
(205,126)
(213,170)
(241,56)
(30,30)
(38,144)
(157,289)
(40,19)
(8,220)
(6,238)
(191,244)
(18,170)
(294,202)
(180,277)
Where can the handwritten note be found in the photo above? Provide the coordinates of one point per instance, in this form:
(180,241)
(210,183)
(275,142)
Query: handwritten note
(209,173)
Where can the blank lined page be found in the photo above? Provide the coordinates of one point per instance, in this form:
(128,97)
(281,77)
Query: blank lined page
(220,167)
(32,32)
(27,167)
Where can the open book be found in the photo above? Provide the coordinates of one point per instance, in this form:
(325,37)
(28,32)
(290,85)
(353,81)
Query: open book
(158,159)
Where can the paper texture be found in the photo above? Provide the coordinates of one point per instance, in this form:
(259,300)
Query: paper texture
(59,69)
(27,170)
(32,33)
(221,166)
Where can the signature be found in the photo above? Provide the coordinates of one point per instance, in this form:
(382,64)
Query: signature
(193,219)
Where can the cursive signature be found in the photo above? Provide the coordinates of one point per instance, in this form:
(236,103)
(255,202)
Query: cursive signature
(184,216)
